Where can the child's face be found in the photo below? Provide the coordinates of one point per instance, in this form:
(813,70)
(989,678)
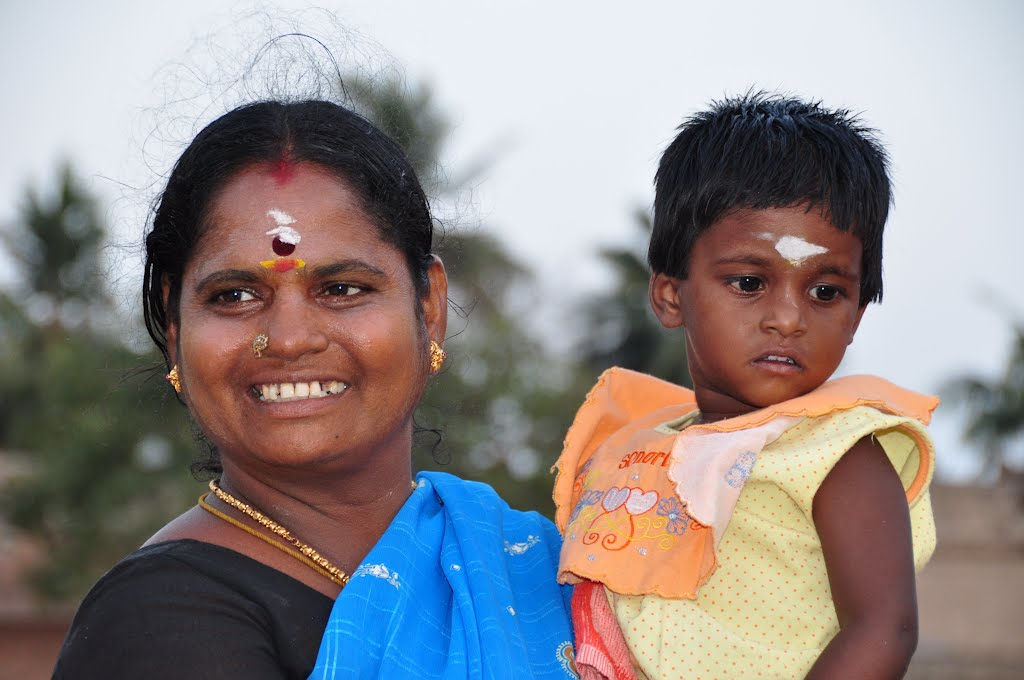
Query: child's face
(769,306)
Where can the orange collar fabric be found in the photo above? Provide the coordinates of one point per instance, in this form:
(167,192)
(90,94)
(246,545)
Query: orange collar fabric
(626,480)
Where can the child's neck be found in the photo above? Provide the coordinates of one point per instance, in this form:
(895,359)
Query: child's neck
(713,406)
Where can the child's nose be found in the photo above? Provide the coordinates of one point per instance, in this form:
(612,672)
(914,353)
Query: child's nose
(784,315)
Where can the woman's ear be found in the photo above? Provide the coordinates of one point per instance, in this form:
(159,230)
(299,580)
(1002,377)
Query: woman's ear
(435,302)
(666,299)
(171,331)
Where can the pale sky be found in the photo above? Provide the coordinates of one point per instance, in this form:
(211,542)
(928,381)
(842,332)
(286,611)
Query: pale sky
(577,100)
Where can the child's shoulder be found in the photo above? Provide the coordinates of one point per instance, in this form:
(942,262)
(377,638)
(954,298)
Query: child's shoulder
(633,393)
(620,399)
(862,390)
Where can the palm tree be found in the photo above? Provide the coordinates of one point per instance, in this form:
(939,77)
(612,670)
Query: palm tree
(104,466)
(623,329)
(995,407)
(498,406)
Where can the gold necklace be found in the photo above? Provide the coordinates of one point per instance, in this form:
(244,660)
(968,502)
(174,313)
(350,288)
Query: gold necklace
(309,555)
(277,544)
(306,553)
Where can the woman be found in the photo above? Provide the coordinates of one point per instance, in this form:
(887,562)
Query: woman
(290,286)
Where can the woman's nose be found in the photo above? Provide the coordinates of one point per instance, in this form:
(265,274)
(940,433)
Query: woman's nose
(295,328)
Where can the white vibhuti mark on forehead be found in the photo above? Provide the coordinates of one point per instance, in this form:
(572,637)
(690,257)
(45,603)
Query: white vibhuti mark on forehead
(282,231)
(282,218)
(285,235)
(795,249)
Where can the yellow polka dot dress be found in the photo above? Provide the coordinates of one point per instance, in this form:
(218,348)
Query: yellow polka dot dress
(760,606)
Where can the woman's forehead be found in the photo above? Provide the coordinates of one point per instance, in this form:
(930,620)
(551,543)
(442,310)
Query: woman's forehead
(312,215)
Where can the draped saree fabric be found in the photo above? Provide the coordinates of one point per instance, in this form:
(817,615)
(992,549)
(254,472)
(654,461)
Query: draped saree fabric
(460,586)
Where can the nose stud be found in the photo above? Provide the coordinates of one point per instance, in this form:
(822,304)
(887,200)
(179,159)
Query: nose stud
(259,344)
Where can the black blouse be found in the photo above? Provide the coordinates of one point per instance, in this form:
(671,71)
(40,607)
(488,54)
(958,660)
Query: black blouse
(187,610)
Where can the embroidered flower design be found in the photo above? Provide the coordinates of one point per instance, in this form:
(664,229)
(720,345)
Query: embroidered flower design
(673,510)
(380,571)
(522,547)
(591,497)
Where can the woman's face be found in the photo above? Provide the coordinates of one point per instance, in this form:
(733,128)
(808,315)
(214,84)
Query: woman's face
(345,360)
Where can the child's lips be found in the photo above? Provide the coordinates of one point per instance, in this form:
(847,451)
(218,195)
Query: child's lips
(778,360)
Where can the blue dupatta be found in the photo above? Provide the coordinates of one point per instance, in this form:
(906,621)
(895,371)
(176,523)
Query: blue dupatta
(460,586)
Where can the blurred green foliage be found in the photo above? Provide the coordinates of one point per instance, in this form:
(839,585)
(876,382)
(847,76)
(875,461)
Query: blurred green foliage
(103,460)
(995,408)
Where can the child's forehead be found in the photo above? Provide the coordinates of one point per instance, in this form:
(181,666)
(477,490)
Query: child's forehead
(795,234)
(772,224)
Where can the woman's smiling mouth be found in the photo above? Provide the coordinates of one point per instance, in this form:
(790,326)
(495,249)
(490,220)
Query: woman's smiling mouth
(316,389)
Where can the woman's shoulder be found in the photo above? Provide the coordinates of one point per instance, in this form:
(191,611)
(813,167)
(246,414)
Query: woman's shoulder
(183,605)
(172,574)
(468,498)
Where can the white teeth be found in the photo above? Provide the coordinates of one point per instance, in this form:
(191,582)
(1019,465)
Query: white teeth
(296,391)
(775,357)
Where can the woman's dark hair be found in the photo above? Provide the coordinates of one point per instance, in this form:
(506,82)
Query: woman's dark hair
(762,151)
(369,162)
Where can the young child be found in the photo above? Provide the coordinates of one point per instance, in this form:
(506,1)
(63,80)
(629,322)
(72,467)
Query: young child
(769,523)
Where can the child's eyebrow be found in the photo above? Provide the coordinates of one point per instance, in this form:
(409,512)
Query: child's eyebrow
(842,273)
(743,259)
(756,261)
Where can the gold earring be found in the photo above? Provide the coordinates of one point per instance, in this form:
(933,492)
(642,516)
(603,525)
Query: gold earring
(174,379)
(259,344)
(437,356)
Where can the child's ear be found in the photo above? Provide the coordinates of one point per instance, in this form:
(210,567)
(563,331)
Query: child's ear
(856,323)
(664,293)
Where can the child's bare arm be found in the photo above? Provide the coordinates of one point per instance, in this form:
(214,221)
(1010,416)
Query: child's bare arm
(863,522)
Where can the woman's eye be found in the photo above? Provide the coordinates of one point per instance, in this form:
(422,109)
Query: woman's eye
(825,293)
(234,296)
(747,284)
(342,289)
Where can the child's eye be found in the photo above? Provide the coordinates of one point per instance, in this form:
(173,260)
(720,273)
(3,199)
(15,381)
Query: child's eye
(342,289)
(825,293)
(234,296)
(747,284)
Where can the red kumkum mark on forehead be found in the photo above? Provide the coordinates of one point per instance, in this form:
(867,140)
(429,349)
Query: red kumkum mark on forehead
(283,171)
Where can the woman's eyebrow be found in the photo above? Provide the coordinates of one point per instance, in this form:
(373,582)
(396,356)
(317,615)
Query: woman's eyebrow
(227,276)
(232,276)
(323,271)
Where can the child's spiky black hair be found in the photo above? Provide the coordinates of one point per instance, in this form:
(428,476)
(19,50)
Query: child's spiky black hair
(761,151)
